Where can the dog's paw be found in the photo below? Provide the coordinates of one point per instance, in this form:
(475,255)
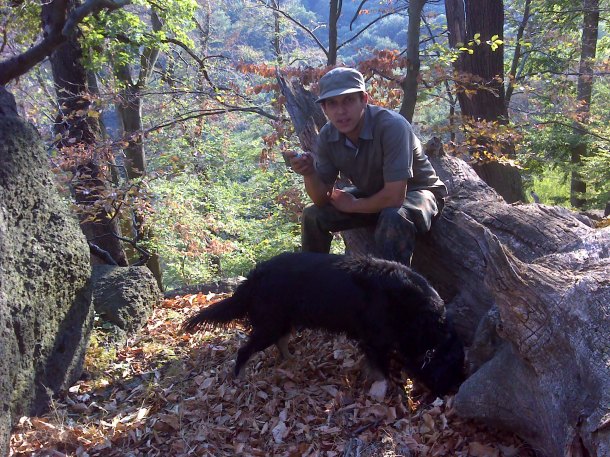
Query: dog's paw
(378,390)
(369,373)
(240,374)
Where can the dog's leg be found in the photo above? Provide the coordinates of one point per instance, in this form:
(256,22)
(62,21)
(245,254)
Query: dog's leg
(282,345)
(377,361)
(258,341)
(370,372)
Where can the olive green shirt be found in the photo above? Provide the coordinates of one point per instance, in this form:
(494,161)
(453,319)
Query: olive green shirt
(387,151)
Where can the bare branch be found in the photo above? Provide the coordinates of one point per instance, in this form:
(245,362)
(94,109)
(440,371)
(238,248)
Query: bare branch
(200,61)
(101,253)
(383,16)
(212,112)
(357,13)
(297,23)
(451,98)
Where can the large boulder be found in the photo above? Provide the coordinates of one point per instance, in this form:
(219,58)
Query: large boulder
(45,297)
(124,297)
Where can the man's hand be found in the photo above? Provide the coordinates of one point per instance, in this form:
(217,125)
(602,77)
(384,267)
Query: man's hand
(343,201)
(300,162)
(391,196)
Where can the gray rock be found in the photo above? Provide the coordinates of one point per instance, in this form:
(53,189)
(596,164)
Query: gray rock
(124,297)
(45,297)
(8,107)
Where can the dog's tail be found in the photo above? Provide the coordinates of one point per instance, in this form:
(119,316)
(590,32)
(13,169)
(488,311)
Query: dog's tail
(218,314)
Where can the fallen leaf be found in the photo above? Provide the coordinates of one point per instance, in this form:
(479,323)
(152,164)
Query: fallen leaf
(279,432)
(378,390)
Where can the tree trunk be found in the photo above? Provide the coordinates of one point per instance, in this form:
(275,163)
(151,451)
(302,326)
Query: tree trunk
(585,87)
(79,128)
(528,289)
(480,80)
(333,18)
(410,83)
(512,73)
(485,67)
(307,116)
(277,42)
(130,113)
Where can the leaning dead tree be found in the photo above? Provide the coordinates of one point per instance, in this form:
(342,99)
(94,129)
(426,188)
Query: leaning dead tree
(528,288)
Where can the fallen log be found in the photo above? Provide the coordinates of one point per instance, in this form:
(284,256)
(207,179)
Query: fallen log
(528,289)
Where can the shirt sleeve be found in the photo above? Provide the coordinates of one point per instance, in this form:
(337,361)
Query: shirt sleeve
(397,145)
(327,171)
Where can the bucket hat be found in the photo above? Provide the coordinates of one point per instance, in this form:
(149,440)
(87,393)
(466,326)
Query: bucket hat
(339,81)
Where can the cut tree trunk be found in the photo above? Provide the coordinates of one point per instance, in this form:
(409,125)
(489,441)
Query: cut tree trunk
(306,115)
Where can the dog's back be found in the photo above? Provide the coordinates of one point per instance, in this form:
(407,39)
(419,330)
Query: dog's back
(383,305)
(306,290)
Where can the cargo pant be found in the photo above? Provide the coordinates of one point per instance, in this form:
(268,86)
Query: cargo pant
(395,228)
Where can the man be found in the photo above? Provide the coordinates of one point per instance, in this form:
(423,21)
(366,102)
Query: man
(395,187)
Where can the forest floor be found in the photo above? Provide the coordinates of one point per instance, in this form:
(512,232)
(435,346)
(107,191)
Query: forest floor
(166,393)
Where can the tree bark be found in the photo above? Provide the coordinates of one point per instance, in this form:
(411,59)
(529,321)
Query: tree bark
(333,18)
(79,128)
(410,83)
(590,28)
(307,116)
(512,73)
(527,287)
(484,67)
(277,42)
(480,81)
(130,113)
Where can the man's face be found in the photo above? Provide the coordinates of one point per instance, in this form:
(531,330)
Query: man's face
(346,112)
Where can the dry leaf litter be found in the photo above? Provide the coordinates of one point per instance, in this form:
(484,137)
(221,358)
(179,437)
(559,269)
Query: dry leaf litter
(172,394)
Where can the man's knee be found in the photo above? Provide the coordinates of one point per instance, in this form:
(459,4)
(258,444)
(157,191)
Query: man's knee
(310,213)
(315,237)
(395,220)
(315,216)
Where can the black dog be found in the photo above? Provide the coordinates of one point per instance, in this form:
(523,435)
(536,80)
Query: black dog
(385,306)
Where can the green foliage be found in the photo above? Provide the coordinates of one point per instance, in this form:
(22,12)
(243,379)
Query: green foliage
(219,206)
(20,25)
(596,169)
(118,37)
(552,186)
(217,210)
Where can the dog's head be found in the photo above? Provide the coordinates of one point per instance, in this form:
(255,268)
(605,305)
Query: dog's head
(442,369)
